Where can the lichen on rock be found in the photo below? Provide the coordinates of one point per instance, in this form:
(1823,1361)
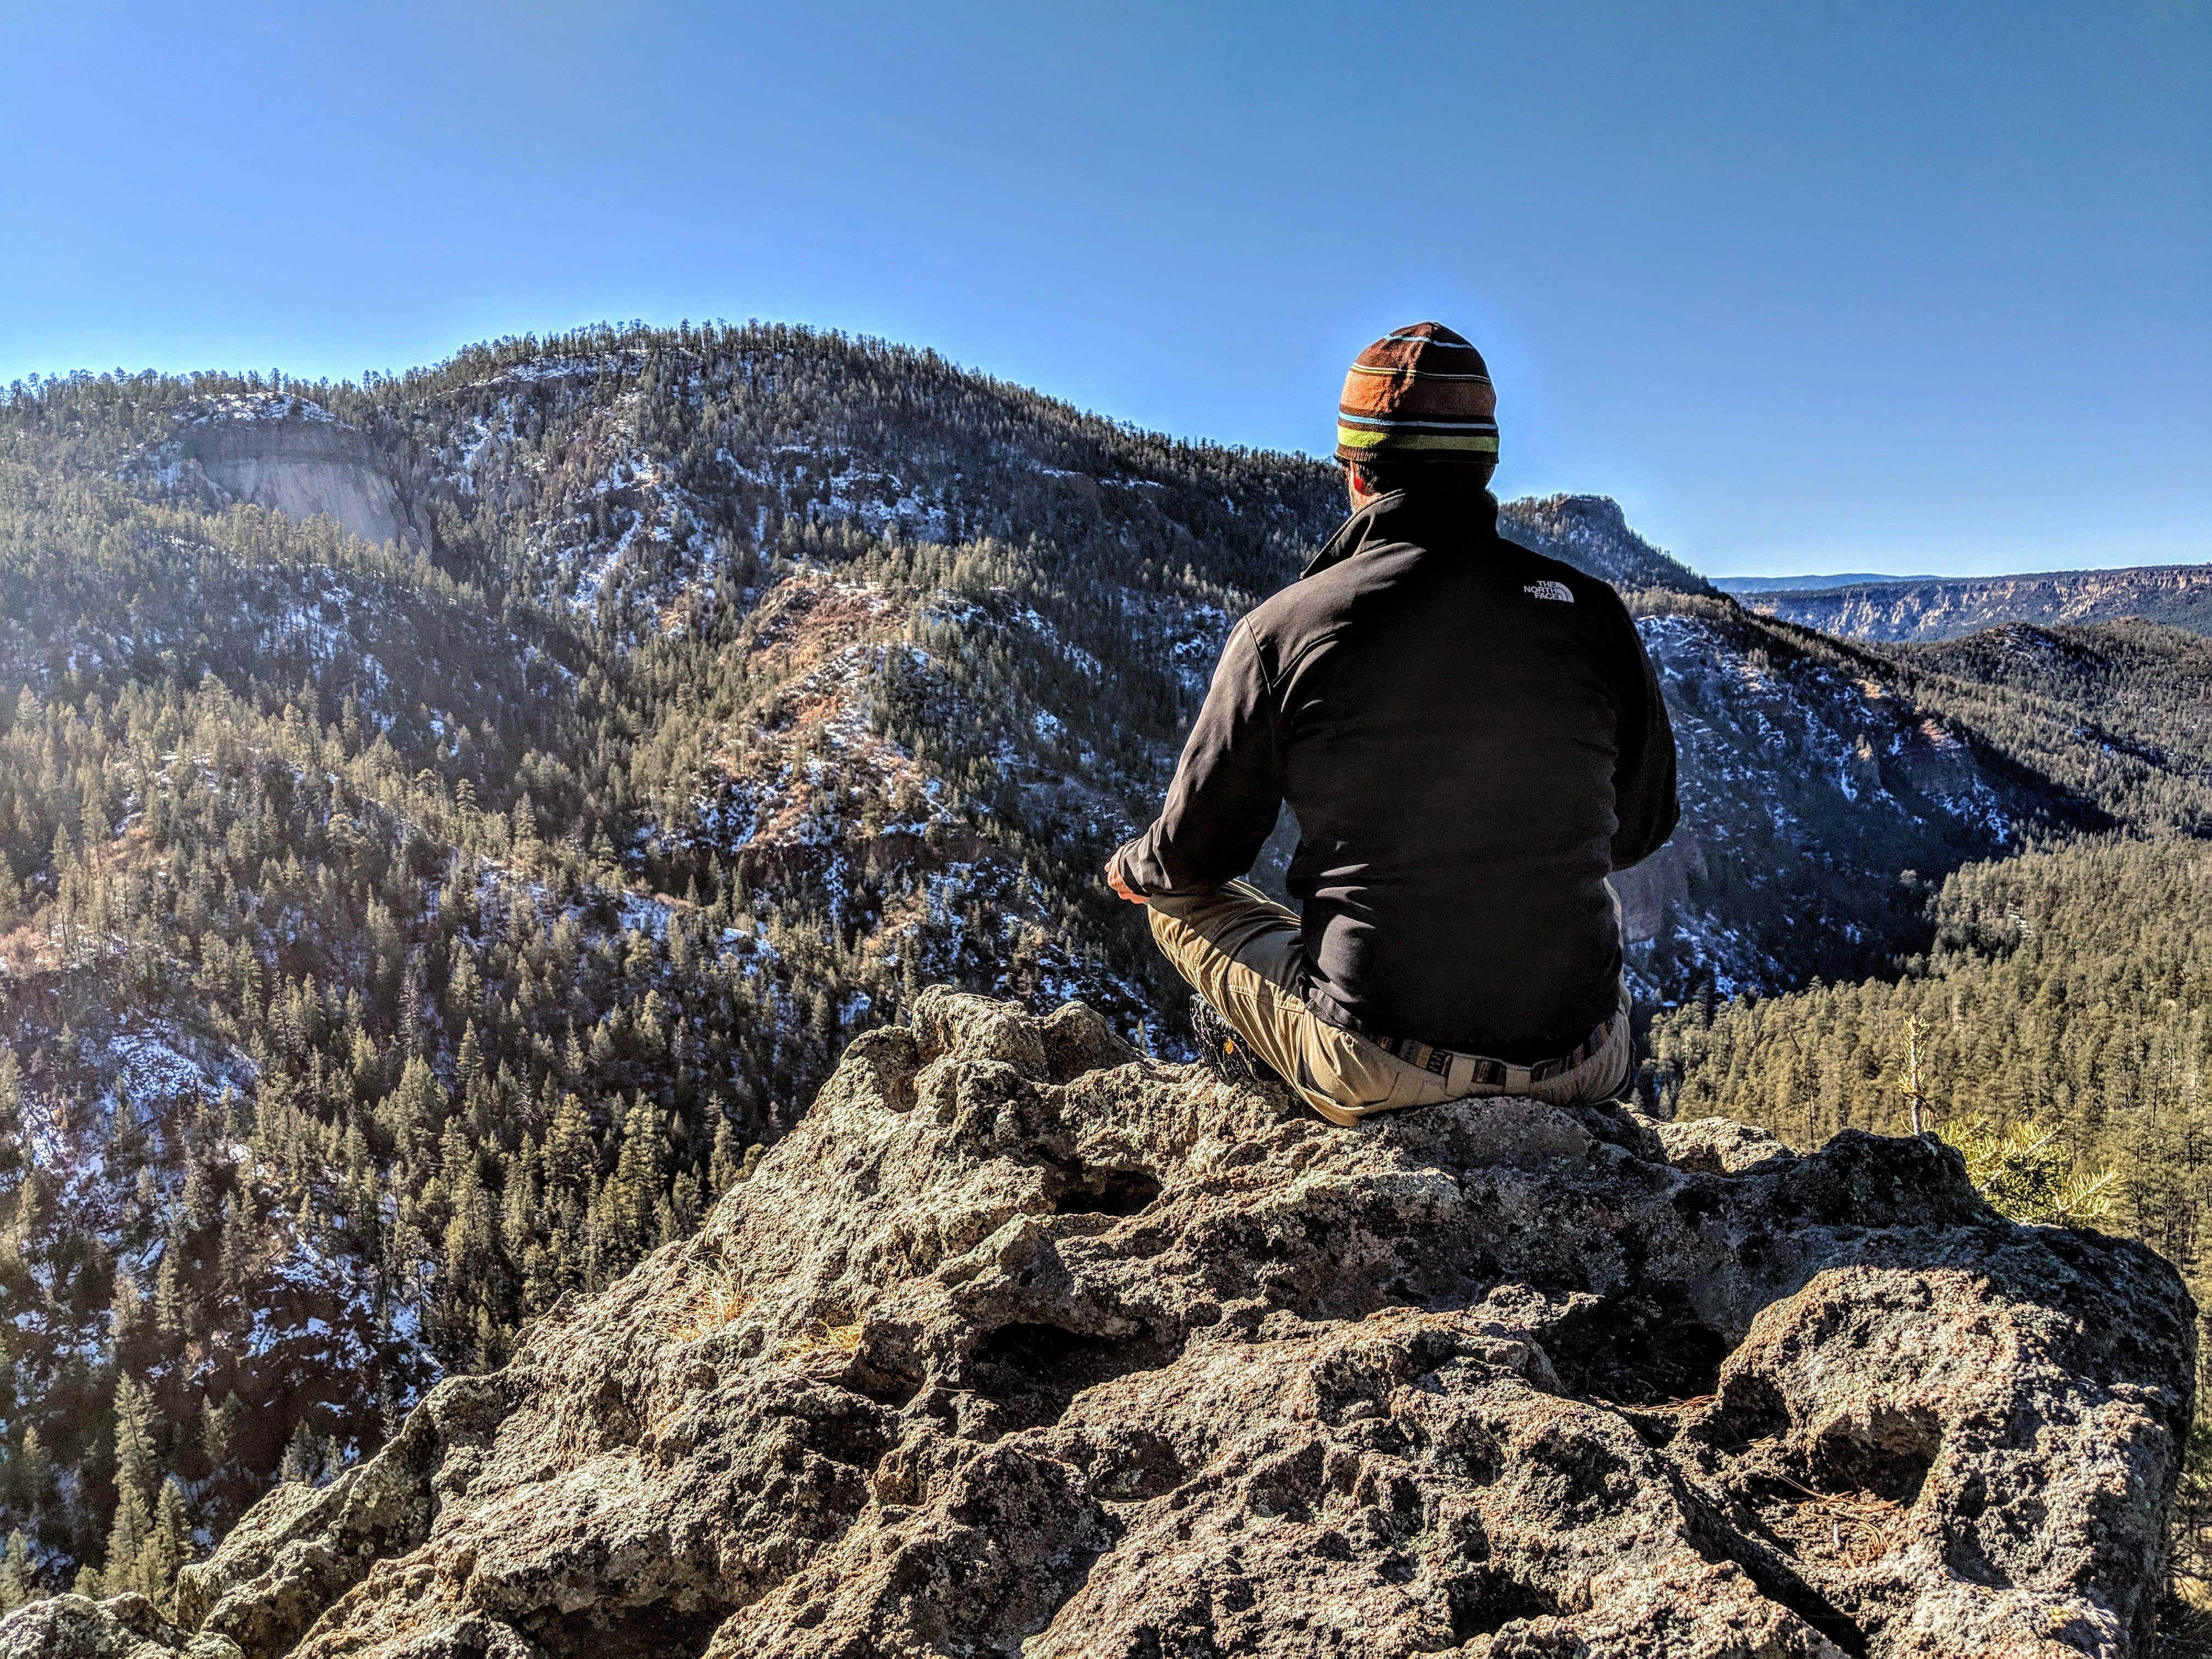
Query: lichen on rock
(121,1628)
(1024,1344)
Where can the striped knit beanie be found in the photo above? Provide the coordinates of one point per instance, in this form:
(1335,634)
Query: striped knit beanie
(1417,394)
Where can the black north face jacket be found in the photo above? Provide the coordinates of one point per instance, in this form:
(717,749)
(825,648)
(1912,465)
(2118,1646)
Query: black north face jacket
(1472,738)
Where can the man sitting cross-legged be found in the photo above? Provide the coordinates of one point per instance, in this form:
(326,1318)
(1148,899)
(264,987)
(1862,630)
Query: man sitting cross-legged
(1472,739)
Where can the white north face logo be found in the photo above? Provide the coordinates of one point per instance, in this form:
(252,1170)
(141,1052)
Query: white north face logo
(1558,591)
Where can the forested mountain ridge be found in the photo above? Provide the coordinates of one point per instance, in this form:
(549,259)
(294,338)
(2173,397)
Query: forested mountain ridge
(396,942)
(2109,933)
(2122,711)
(1943,608)
(396,938)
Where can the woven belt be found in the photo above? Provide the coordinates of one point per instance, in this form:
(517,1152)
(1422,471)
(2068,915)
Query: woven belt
(1459,1069)
(1481,1068)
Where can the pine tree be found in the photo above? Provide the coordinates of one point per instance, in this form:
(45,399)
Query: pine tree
(127,1536)
(303,1457)
(520,1203)
(468,1243)
(173,1313)
(167,1549)
(239,1252)
(219,1428)
(569,1155)
(127,1322)
(137,1425)
(639,1171)
(410,1006)
(725,1164)
(32,1471)
(202,1199)
(126,1139)
(17,1584)
(468,1065)
(11,1097)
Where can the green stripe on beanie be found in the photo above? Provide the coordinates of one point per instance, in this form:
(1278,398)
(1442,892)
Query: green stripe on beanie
(1418,393)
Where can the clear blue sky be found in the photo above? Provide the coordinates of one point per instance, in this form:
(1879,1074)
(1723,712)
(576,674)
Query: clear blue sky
(1806,285)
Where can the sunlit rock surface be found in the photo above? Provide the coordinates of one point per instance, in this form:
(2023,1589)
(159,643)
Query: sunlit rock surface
(1022,1344)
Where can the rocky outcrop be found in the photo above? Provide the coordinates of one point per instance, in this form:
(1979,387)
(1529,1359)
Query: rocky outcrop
(1590,533)
(302,466)
(1022,1344)
(1649,889)
(121,1628)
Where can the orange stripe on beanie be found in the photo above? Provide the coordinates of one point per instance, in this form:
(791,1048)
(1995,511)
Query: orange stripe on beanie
(1420,393)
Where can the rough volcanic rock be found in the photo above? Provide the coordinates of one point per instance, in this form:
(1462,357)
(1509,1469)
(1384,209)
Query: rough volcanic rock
(121,1628)
(1022,1344)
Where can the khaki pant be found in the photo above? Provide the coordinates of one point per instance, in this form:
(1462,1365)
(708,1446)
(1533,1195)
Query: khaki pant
(1244,954)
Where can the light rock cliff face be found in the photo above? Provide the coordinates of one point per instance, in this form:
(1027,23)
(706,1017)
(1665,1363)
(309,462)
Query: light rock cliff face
(303,467)
(1646,890)
(1946,608)
(1021,1344)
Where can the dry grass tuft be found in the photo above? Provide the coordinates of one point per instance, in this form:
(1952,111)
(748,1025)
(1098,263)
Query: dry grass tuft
(818,1336)
(717,1301)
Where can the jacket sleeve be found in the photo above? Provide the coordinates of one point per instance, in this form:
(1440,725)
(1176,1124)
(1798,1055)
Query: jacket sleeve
(1223,803)
(1643,801)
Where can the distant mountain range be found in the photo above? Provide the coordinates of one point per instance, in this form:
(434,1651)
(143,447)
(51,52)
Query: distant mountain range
(1809,583)
(1945,607)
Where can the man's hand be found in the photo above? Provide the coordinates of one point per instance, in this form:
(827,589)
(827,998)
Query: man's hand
(1114,880)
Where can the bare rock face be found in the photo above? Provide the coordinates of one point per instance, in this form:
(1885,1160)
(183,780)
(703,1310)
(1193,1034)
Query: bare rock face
(1648,890)
(1020,1345)
(301,467)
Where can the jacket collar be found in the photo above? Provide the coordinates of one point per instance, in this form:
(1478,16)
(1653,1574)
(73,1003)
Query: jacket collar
(1399,517)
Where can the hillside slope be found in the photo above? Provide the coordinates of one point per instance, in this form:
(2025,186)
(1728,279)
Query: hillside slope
(1590,533)
(2124,709)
